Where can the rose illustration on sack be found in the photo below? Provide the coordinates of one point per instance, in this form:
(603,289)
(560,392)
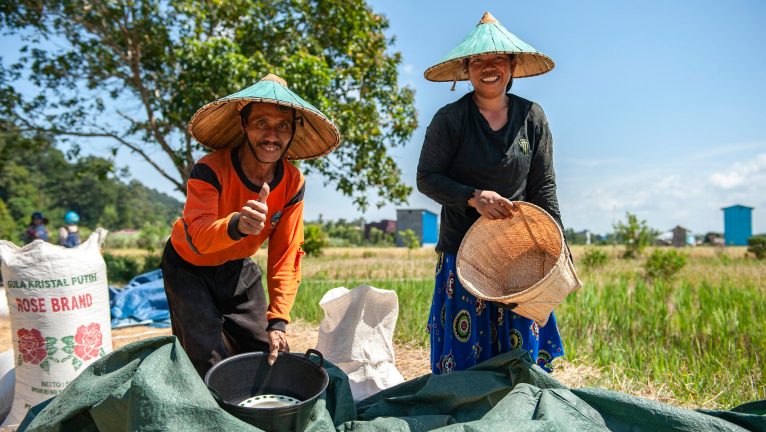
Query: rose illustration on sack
(87,341)
(31,346)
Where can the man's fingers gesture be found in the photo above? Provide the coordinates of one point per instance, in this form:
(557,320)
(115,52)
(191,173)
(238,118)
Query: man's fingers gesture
(252,216)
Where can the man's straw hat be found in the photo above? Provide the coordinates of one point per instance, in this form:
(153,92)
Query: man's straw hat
(521,261)
(217,124)
(488,37)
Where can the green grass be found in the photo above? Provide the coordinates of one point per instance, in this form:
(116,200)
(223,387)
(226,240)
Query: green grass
(414,304)
(700,337)
(703,342)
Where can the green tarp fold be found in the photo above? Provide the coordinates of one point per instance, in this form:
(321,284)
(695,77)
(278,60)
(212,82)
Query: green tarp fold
(152,386)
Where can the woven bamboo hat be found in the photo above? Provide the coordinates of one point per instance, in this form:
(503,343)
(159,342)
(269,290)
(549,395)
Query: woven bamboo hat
(522,262)
(217,124)
(488,37)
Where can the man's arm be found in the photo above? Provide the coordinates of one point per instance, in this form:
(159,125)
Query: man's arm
(283,273)
(206,230)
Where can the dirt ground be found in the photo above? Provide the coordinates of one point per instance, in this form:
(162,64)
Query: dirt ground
(411,361)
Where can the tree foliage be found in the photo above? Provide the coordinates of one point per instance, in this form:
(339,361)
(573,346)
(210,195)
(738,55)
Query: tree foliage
(35,176)
(314,240)
(635,234)
(134,72)
(757,246)
(409,240)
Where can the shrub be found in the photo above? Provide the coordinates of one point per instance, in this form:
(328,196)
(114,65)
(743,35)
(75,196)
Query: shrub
(664,264)
(153,237)
(635,234)
(121,269)
(594,258)
(151,262)
(757,246)
(314,240)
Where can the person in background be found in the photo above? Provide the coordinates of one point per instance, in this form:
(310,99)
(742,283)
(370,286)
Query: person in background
(481,152)
(69,234)
(240,195)
(36,230)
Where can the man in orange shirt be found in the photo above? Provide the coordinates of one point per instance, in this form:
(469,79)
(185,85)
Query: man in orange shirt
(238,196)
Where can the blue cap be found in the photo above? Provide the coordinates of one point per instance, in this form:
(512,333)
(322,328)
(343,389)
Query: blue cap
(71,218)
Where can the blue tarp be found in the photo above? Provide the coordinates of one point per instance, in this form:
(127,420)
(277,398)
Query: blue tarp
(142,301)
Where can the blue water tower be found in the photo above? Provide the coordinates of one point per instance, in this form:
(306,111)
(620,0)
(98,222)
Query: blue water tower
(737,225)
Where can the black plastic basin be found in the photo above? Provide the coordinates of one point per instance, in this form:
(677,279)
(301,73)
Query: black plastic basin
(243,376)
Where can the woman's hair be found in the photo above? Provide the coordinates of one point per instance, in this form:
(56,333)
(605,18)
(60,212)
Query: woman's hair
(467,60)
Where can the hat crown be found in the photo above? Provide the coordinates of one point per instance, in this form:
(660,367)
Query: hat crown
(275,78)
(487,18)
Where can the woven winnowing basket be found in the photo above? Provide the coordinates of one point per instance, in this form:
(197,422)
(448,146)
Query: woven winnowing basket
(521,261)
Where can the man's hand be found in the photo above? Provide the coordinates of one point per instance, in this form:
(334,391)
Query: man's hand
(252,216)
(277,343)
(491,205)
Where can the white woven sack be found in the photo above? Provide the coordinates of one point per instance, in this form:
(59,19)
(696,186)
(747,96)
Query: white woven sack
(59,305)
(356,334)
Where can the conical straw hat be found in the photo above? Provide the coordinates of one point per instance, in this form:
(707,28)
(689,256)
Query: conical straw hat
(217,124)
(488,37)
(521,261)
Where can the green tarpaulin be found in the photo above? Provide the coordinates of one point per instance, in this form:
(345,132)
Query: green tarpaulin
(151,385)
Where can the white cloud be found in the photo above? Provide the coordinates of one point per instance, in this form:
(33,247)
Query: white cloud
(408,69)
(742,174)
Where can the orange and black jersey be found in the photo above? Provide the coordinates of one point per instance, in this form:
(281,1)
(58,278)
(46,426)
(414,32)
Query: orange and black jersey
(207,233)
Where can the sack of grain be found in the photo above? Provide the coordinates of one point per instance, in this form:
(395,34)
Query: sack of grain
(59,310)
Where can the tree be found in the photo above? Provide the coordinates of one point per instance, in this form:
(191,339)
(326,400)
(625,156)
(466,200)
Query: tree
(134,72)
(410,241)
(35,176)
(8,228)
(635,234)
(314,240)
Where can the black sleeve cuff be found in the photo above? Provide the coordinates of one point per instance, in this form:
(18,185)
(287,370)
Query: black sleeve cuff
(231,228)
(277,324)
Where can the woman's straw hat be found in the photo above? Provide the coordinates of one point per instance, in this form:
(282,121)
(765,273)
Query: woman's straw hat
(217,124)
(521,261)
(488,37)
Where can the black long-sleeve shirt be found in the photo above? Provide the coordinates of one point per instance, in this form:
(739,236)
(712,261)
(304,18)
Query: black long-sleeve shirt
(462,153)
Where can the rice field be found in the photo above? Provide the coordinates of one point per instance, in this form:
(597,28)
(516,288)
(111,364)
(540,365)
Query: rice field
(697,340)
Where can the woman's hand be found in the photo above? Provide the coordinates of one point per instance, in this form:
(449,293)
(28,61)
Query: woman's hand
(491,205)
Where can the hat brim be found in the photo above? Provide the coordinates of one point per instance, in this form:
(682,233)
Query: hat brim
(527,65)
(217,126)
(490,37)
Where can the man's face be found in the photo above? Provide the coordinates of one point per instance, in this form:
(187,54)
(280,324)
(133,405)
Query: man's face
(490,73)
(37,221)
(269,128)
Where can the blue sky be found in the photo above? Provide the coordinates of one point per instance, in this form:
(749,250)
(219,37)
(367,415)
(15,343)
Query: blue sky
(656,107)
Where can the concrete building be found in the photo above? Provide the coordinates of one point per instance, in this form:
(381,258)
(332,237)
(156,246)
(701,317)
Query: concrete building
(388,226)
(737,224)
(421,221)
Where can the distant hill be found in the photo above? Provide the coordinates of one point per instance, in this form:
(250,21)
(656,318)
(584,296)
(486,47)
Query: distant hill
(36,176)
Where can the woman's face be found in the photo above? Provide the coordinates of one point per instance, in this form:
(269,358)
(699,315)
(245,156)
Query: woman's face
(489,73)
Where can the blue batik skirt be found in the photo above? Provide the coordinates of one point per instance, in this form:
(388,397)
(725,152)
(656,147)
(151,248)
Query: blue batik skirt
(466,330)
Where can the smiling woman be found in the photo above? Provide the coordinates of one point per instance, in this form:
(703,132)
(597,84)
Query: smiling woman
(480,153)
